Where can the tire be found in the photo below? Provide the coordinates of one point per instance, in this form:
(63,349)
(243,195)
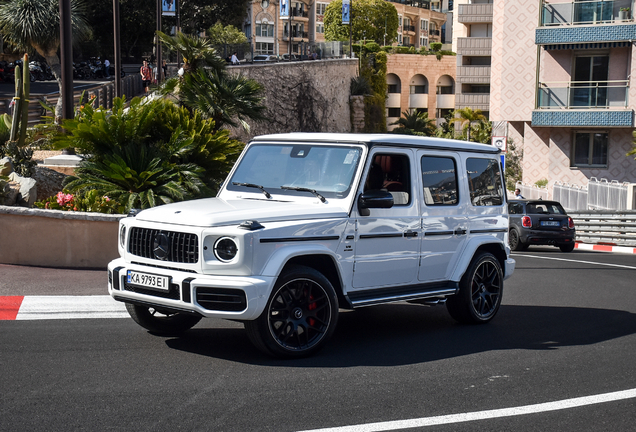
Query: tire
(480,291)
(567,247)
(300,315)
(161,323)
(515,241)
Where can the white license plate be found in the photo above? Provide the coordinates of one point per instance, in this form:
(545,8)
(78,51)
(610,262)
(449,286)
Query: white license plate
(148,280)
(550,223)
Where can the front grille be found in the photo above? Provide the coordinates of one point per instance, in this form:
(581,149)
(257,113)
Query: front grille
(221,299)
(172,293)
(183,247)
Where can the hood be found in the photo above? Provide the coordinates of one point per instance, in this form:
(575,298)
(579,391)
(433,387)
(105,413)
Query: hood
(210,212)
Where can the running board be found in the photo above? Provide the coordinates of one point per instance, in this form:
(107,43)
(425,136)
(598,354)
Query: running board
(408,293)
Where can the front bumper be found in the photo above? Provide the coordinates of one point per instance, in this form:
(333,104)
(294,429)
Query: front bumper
(228,297)
(509,268)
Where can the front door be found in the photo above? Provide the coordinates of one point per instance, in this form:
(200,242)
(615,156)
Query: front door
(387,240)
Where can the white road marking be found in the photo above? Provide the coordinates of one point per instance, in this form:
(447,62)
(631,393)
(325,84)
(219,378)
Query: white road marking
(576,261)
(483,415)
(70,307)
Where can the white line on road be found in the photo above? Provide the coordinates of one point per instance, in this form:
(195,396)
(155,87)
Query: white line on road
(70,307)
(483,415)
(576,261)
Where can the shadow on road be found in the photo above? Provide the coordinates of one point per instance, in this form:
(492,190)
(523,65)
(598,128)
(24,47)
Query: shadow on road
(395,335)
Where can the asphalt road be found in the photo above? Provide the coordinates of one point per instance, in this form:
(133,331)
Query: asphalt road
(566,330)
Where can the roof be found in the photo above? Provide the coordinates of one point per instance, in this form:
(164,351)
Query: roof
(371,140)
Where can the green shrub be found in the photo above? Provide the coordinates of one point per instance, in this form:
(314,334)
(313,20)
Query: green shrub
(436,46)
(541,183)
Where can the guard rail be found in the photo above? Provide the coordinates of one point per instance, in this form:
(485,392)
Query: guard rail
(609,227)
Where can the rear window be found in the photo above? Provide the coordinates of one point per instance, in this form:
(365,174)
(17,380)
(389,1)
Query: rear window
(484,182)
(545,208)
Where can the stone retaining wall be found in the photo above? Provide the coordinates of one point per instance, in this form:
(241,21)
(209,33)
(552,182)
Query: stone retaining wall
(54,238)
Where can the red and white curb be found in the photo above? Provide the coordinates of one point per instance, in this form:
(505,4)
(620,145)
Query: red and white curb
(605,248)
(60,307)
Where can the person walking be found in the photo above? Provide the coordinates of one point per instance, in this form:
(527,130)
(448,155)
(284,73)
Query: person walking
(518,194)
(235,59)
(146,76)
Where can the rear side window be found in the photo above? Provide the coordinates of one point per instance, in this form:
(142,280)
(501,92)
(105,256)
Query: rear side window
(515,208)
(439,178)
(484,182)
(546,208)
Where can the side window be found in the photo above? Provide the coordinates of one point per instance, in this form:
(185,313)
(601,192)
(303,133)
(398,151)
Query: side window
(484,182)
(515,208)
(391,172)
(439,178)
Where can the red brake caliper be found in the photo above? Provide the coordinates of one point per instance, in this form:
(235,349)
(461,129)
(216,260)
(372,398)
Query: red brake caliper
(311,307)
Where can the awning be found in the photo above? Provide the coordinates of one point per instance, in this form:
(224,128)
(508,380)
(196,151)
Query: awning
(587,46)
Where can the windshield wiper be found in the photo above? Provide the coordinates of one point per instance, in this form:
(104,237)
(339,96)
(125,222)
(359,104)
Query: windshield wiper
(252,185)
(301,189)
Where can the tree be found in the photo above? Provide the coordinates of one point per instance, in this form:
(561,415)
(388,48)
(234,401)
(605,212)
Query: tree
(370,19)
(29,25)
(219,35)
(199,15)
(208,88)
(467,117)
(415,122)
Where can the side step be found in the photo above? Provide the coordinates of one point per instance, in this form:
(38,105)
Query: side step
(410,293)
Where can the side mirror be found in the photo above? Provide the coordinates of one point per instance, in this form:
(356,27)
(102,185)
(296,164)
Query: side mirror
(374,198)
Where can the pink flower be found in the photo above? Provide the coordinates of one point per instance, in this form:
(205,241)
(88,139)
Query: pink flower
(106,198)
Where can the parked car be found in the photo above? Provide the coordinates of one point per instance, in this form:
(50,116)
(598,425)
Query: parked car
(265,58)
(285,57)
(538,222)
(309,223)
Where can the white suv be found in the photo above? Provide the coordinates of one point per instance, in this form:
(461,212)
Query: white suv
(308,223)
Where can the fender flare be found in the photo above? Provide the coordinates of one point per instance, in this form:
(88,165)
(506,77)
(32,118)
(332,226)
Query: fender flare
(471,248)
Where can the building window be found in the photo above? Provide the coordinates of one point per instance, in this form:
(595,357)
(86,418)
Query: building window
(589,149)
(263,48)
(399,39)
(264,30)
(321,8)
(424,25)
(423,41)
(320,28)
(394,112)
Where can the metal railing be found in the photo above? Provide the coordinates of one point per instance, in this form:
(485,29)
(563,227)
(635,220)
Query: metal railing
(597,195)
(533,191)
(609,227)
(583,94)
(586,12)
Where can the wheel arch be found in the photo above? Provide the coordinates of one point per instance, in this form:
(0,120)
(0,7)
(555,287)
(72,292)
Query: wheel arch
(496,248)
(326,265)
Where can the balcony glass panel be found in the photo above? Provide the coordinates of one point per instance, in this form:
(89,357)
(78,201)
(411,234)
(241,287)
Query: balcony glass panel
(586,12)
(582,94)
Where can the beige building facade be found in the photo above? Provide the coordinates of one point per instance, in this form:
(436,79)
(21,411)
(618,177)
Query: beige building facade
(562,85)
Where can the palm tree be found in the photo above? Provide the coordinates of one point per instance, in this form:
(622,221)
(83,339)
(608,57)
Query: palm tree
(208,88)
(416,121)
(469,117)
(226,99)
(196,52)
(29,25)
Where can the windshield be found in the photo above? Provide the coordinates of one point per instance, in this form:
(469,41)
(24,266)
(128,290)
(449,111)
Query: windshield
(328,170)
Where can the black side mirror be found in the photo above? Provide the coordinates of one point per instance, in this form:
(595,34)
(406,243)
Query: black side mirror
(374,198)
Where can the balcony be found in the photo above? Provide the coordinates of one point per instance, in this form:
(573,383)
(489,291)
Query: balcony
(583,104)
(473,74)
(586,12)
(473,100)
(418,100)
(586,22)
(474,46)
(583,94)
(446,101)
(474,13)
(393,100)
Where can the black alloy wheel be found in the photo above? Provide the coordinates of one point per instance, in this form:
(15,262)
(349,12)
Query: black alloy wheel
(300,315)
(480,291)
(515,241)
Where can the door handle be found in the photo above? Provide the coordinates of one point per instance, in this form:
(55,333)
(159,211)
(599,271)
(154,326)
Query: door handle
(410,233)
(460,231)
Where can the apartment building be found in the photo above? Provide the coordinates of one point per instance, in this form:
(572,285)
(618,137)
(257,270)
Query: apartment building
(472,41)
(420,23)
(562,84)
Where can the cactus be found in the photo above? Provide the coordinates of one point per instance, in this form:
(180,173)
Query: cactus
(20,119)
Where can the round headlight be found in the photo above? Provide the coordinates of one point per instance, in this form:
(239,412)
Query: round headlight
(122,236)
(225,249)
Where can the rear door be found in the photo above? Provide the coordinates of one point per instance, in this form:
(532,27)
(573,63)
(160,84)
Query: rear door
(444,224)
